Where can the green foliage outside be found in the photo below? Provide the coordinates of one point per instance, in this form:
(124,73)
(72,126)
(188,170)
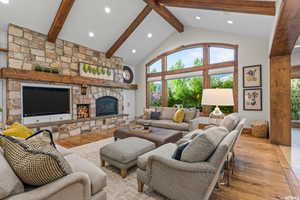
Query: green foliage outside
(222,81)
(295,99)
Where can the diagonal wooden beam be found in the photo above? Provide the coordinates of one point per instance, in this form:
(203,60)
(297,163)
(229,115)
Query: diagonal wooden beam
(240,6)
(60,18)
(166,14)
(287,29)
(138,20)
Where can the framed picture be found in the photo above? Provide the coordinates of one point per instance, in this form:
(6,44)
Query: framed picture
(252,76)
(253,99)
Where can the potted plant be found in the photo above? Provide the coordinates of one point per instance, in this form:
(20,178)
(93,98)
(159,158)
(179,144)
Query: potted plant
(55,70)
(46,69)
(108,72)
(38,68)
(85,68)
(99,70)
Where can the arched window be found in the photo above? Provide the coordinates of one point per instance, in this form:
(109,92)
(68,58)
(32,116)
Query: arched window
(179,76)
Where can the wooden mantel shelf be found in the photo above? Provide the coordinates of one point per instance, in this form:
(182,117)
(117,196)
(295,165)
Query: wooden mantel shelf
(3,50)
(28,75)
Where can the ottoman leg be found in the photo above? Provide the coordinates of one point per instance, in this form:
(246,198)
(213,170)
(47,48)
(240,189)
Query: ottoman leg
(123,173)
(140,186)
(102,163)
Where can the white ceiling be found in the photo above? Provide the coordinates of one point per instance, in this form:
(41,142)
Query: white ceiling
(89,15)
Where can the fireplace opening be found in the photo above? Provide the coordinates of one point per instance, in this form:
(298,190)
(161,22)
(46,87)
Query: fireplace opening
(106,106)
(83,111)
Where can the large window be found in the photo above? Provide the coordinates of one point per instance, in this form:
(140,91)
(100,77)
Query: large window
(179,76)
(295,99)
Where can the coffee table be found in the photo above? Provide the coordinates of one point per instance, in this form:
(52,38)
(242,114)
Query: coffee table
(159,136)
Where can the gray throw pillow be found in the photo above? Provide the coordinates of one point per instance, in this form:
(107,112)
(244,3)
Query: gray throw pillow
(230,121)
(167,113)
(189,114)
(203,145)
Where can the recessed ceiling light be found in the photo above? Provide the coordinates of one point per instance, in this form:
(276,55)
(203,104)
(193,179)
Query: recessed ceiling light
(297,46)
(107,9)
(198,17)
(229,21)
(133,51)
(149,35)
(4,1)
(91,34)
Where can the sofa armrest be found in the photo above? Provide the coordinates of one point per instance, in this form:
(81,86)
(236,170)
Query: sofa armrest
(203,167)
(74,185)
(194,123)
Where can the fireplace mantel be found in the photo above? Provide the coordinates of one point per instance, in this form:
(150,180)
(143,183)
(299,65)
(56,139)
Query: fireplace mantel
(28,75)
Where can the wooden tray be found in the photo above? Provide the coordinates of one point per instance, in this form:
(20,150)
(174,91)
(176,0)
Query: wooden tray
(139,129)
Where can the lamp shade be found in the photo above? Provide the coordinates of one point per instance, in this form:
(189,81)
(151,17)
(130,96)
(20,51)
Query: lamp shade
(217,97)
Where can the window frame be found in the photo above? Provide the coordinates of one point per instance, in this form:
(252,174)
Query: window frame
(204,68)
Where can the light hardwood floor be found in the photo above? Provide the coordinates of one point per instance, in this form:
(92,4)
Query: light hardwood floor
(261,170)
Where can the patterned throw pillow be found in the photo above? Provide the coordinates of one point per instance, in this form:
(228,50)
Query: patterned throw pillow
(35,162)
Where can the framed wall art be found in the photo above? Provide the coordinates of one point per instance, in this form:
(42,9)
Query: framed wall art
(252,76)
(253,99)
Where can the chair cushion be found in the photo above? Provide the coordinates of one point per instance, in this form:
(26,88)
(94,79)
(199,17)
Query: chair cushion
(169,124)
(127,150)
(178,152)
(167,113)
(10,184)
(230,121)
(165,151)
(191,135)
(96,175)
(189,114)
(35,162)
(203,145)
(179,116)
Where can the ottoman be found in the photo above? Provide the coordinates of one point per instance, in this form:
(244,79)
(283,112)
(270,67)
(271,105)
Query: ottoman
(123,154)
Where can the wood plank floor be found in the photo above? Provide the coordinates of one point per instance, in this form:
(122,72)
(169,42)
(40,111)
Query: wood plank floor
(261,173)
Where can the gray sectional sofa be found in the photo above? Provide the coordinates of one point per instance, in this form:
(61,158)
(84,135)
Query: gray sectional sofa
(86,183)
(190,122)
(180,180)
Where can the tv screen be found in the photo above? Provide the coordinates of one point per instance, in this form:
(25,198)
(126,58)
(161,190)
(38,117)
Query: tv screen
(39,101)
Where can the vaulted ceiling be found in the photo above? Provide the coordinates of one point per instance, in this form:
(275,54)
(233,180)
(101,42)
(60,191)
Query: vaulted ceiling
(89,16)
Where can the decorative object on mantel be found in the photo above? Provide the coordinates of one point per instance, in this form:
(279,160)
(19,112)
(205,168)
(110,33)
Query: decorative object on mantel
(252,76)
(253,99)
(259,128)
(84,89)
(93,71)
(217,97)
(127,74)
(39,68)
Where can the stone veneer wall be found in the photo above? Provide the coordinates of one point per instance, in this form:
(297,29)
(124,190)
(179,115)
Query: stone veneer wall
(27,48)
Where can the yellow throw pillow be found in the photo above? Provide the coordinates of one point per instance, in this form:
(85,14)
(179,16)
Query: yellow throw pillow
(18,130)
(179,116)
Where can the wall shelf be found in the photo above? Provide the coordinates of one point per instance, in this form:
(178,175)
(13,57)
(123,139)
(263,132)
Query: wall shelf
(3,50)
(27,75)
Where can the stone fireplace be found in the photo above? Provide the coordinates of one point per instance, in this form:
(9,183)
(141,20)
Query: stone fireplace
(107,105)
(83,111)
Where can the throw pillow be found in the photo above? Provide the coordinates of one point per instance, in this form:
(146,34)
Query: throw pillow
(155,115)
(18,130)
(147,113)
(230,121)
(178,152)
(167,113)
(189,114)
(203,145)
(35,162)
(179,116)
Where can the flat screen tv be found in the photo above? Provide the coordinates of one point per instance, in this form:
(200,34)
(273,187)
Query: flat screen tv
(38,101)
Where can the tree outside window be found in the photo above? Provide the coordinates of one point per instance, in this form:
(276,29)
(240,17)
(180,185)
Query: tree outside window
(155,93)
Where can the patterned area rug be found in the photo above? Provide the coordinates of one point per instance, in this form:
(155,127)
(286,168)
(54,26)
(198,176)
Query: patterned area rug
(117,187)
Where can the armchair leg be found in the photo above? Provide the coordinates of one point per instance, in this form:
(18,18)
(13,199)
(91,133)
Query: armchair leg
(102,163)
(140,186)
(123,173)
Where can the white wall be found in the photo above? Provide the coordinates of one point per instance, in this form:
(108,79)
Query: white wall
(252,51)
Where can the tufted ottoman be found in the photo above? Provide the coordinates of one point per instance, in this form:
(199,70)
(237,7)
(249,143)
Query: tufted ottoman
(123,154)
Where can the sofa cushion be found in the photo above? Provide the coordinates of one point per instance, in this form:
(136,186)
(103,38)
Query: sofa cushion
(165,151)
(188,137)
(143,121)
(35,162)
(178,116)
(203,145)
(147,113)
(169,124)
(230,121)
(96,175)
(189,114)
(10,184)
(178,152)
(127,150)
(167,113)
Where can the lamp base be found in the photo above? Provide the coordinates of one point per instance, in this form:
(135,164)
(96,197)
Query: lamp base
(216,114)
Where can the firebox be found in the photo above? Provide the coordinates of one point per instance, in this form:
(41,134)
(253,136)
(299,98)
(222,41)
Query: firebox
(106,106)
(83,111)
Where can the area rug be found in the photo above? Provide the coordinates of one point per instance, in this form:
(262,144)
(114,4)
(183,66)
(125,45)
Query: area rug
(117,187)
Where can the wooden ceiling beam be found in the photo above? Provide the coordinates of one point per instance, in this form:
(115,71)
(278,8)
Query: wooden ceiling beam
(240,6)
(138,20)
(60,18)
(166,14)
(287,29)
